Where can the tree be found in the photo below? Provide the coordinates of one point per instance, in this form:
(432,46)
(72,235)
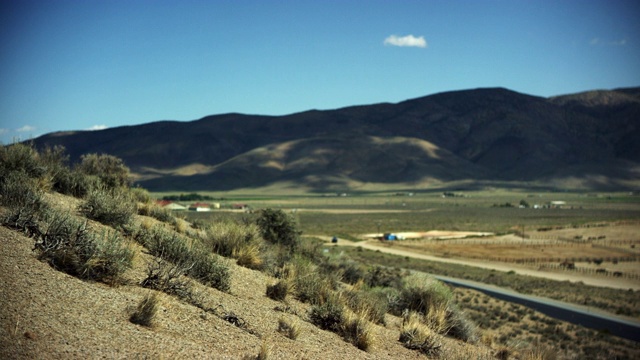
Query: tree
(108,168)
(279,228)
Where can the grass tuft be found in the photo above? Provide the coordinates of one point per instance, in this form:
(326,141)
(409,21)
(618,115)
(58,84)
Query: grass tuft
(290,328)
(146,311)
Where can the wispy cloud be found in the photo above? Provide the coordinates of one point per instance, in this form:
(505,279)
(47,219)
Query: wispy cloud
(97,127)
(409,41)
(4,131)
(26,128)
(596,41)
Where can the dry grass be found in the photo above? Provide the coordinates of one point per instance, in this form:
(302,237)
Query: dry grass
(289,328)
(146,311)
(416,335)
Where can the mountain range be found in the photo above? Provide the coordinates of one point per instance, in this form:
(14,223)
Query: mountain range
(587,140)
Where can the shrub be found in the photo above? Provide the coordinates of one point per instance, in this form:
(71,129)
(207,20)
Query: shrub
(380,276)
(248,256)
(146,311)
(310,285)
(209,270)
(141,195)
(110,207)
(67,245)
(329,315)
(415,335)
(168,278)
(373,304)
(237,240)
(20,158)
(20,195)
(279,228)
(109,169)
(421,292)
(290,329)
(460,327)
(198,263)
(357,330)
(279,290)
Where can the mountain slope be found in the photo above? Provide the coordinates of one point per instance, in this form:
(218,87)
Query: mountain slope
(482,134)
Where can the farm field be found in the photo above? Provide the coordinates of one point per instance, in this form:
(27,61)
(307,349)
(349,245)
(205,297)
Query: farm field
(595,235)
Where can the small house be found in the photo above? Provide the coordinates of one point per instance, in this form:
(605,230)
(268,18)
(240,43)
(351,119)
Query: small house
(168,204)
(199,207)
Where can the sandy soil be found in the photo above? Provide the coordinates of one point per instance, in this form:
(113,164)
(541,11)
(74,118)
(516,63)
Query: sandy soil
(48,314)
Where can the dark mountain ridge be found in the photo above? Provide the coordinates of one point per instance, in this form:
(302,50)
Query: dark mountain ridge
(490,134)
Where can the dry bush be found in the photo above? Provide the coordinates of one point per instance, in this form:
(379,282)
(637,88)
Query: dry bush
(290,328)
(280,290)
(357,330)
(364,301)
(265,351)
(310,285)
(248,256)
(146,311)
(415,335)
(168,278)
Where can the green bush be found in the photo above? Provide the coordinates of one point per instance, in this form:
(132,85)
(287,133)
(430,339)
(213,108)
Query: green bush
(198,263)
(329,315)
(19,193)
(141,195)
(20,158)
(381,276)
(364,301)
(279,228)
(310,285)
(421,292)
(113,207)
(109,169)
(209,270)
(66,244)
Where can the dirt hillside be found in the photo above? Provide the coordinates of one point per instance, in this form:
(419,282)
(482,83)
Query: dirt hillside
(48,314)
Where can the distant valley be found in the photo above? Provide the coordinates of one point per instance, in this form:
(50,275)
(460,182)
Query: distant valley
(466,138)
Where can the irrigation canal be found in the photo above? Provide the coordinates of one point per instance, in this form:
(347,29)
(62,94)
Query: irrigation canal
(588,317)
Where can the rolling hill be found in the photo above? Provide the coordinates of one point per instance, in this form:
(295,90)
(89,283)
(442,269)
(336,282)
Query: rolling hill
(585,140)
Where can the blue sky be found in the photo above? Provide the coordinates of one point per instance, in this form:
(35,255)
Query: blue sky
(77,65)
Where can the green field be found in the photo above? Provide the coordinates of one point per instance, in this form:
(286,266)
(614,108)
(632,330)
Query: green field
(353,215)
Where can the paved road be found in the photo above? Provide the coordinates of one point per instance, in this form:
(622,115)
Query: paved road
(588,317)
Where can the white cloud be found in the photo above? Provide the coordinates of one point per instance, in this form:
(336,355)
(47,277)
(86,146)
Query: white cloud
(97,127)
(26,128)
(408,40)
(4,131)
(599,42)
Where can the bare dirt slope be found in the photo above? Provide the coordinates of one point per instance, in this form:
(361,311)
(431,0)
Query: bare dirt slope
(45,313)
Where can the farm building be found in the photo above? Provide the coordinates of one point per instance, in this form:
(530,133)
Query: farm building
(199,207)
(175,207)
(557,204)
(167,204)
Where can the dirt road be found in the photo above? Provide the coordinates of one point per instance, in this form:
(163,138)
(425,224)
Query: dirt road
(521,270)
